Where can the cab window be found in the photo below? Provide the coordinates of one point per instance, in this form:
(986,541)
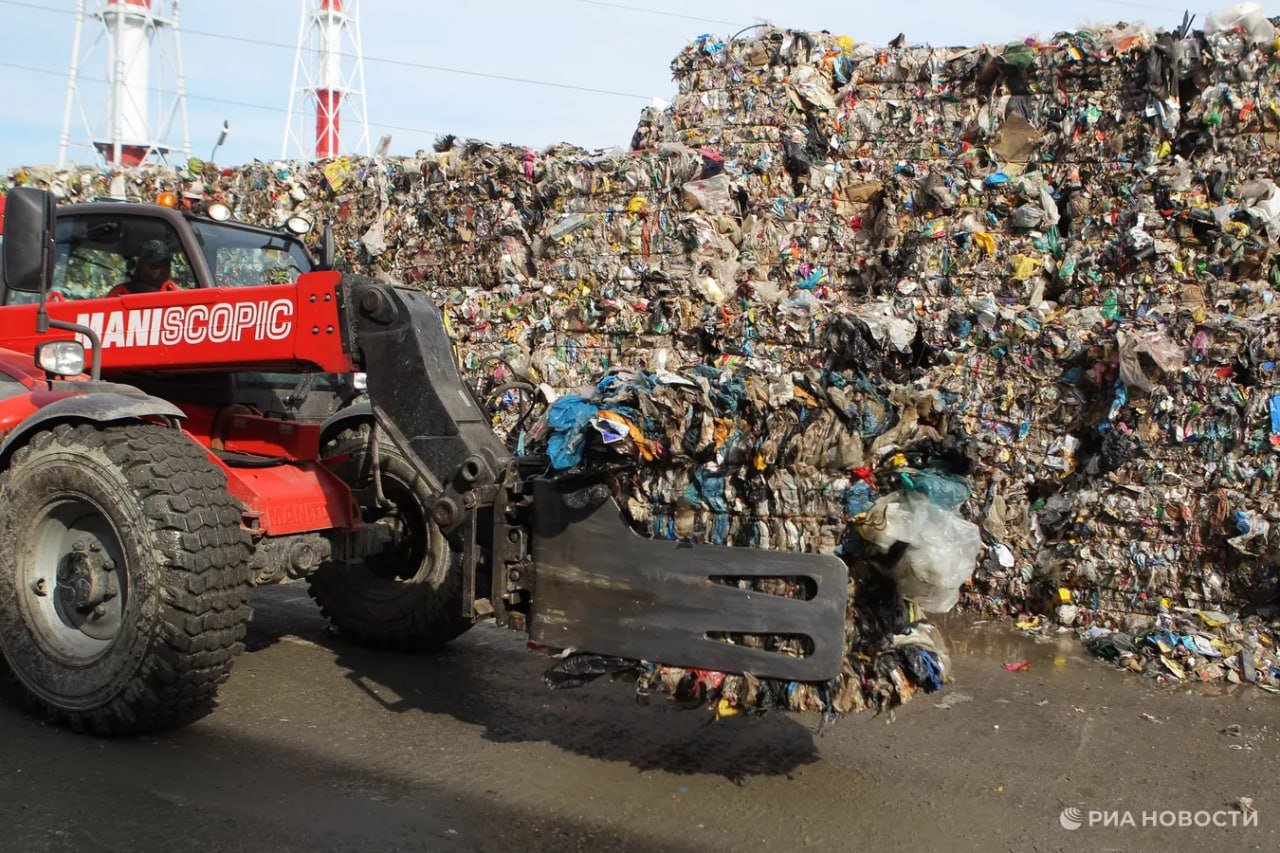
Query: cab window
(248,257)
(96,254)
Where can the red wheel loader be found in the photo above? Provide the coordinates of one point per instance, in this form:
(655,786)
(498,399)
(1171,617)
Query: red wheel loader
(145,488)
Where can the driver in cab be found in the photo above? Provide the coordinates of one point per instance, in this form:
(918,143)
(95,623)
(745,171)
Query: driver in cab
(151,271)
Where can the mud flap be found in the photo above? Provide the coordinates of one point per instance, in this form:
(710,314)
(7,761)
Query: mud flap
(602,588)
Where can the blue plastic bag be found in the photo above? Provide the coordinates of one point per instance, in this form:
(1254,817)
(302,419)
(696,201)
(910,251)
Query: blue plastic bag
(568,417)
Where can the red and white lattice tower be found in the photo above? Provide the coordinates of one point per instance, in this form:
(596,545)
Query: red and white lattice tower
(128,115)
(328,80)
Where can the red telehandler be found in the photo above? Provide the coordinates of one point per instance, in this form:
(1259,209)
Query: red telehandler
(144,489)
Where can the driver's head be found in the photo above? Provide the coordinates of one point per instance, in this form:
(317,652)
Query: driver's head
(152,269)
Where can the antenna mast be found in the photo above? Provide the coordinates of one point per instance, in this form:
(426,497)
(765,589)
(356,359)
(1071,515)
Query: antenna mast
(328,79)
(142,95)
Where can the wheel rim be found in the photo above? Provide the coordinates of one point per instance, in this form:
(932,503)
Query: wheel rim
(407,561)
(72,578)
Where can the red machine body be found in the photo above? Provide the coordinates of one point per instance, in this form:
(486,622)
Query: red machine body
(293,326)
(283,326)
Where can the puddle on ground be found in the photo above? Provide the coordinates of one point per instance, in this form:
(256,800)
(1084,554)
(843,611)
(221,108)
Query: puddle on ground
(1058,656)
(1000,640)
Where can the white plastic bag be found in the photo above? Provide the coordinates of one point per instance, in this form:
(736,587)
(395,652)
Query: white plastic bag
(1146,357)
(942,548)
(1245,17)
(709,194)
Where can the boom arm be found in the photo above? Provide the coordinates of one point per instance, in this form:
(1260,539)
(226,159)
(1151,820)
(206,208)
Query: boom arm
(279,326)
(560,561)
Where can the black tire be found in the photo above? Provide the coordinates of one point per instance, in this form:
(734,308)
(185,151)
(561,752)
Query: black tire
(168,538)
(410,600)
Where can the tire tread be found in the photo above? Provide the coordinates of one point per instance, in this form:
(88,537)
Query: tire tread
(203,555)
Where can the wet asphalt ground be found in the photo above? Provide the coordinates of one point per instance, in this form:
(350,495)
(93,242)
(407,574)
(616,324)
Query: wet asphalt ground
(321,746)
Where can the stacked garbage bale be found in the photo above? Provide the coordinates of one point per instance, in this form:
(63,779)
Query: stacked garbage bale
(1074,238)
(1045,268)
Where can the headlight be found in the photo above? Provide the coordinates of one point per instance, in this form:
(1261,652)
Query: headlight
(360,381)
(297,225)
(65,358)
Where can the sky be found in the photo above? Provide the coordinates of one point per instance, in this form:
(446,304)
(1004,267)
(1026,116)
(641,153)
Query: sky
(239,54)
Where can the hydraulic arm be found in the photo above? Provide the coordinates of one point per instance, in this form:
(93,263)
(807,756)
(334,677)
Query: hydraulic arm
(557,557)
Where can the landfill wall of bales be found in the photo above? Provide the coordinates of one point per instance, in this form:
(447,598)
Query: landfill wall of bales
(1036,277)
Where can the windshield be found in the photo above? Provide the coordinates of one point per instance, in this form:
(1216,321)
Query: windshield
(244,257)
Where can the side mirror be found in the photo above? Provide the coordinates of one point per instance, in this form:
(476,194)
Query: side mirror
(28,240)
(28,267)
(328,251)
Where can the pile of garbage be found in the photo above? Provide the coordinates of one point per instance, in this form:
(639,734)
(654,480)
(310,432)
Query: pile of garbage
(1188,646)
(1054,258)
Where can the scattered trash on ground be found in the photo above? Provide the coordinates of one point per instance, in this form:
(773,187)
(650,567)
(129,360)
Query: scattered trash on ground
(1194,646)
